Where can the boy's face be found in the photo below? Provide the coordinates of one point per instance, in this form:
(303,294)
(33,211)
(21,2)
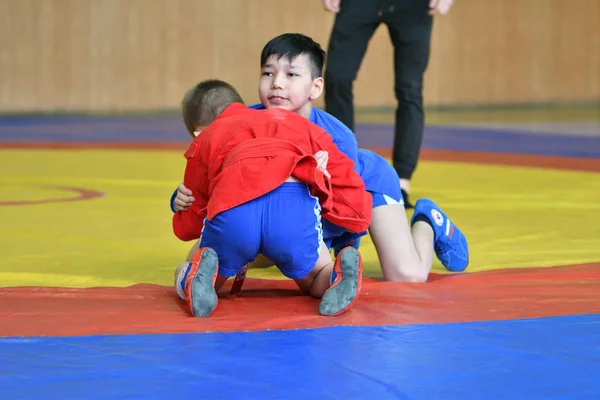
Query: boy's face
(288,84)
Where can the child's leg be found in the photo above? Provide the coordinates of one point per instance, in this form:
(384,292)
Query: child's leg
(235,235)
(259,262)
(404,255)
(450,244)
(318,280)
(407,254)
(183,268)
(181,273)
(408,257)
(346,283)
(337,283)
(200,281)
(195,247)
(293,239)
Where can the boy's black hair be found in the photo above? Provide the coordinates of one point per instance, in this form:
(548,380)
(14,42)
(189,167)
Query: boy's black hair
(290,46)
(203,103)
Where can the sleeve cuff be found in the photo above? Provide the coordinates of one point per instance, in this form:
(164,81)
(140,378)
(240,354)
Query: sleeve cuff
(172,201)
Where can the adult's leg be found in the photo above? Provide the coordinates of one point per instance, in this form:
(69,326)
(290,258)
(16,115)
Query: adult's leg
(410,32)
(353,28)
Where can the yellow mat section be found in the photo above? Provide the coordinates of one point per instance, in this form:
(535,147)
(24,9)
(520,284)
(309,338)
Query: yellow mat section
(513,217)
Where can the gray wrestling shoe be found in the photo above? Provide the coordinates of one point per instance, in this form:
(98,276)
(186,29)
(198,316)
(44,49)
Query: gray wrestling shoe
(200,282)
(347,282)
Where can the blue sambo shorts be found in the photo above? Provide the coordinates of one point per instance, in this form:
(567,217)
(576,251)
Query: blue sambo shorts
(283,225)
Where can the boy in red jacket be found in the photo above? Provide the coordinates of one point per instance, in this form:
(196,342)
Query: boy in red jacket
(259,190)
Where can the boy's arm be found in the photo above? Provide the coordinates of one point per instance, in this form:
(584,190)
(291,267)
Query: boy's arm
(347,186)
(187,225)
(342,136)
(348,146)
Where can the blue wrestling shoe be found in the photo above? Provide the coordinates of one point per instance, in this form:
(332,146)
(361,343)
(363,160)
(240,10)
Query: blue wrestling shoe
(450,244)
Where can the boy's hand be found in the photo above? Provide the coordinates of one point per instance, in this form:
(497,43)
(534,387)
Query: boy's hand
(184,198)
(332,5)
(440,7)
(322,157)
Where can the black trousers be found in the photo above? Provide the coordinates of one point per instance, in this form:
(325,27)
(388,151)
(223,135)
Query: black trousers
(409,28)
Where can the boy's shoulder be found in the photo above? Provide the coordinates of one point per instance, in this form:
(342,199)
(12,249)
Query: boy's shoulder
(328,122)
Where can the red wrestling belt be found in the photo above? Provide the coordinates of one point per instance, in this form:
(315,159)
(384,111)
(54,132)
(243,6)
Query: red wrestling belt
(239,280)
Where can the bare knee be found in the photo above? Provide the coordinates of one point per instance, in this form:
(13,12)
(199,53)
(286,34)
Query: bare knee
(318,280)
(397,275)
(314,284)
(305,284)
(416,278)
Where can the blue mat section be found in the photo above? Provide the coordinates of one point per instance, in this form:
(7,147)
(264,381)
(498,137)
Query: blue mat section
(171,129)
(93,129)
(487,140)
(550,358)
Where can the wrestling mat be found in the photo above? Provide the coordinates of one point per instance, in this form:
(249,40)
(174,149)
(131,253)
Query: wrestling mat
(88,310)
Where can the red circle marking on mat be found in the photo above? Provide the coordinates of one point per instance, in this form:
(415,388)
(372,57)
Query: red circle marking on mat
(81,194)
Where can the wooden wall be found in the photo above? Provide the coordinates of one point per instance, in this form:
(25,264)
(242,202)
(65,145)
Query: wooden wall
(106,55)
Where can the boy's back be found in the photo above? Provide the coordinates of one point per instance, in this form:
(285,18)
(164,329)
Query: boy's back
(246,153)
(239,124)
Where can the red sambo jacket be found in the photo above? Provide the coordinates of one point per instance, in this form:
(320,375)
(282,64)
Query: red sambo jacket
(247,153)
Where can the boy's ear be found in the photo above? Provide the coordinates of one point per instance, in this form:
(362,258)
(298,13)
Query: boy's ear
(317,88)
